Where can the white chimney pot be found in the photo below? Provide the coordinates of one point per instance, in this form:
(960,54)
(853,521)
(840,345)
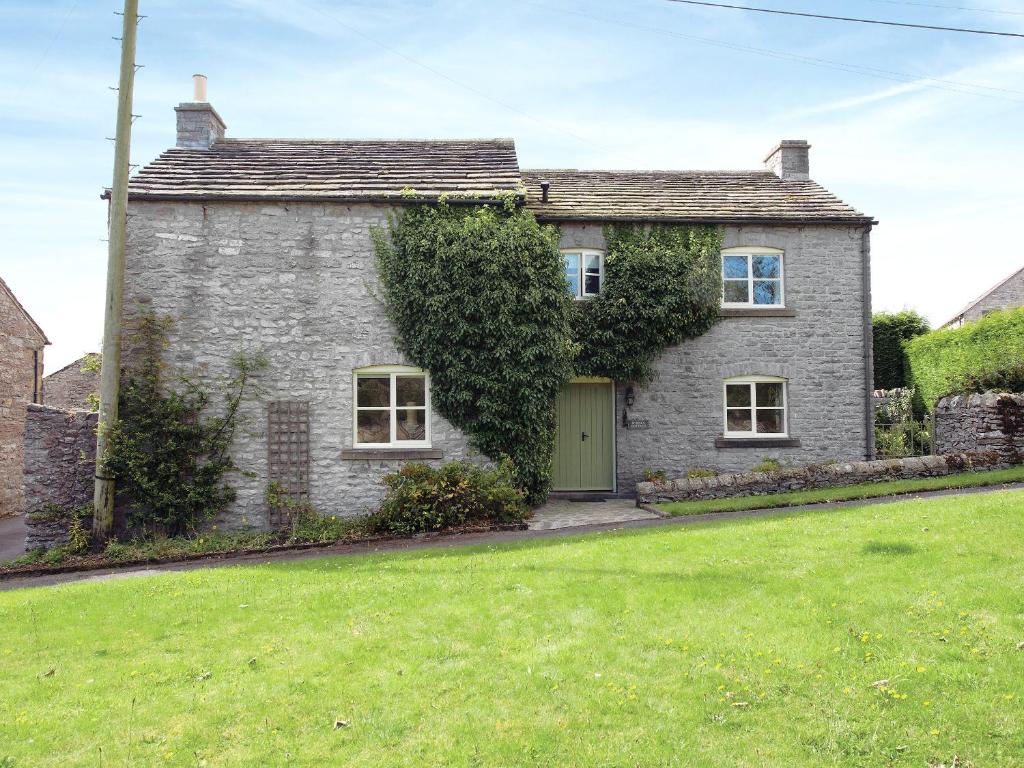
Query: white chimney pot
(199,88)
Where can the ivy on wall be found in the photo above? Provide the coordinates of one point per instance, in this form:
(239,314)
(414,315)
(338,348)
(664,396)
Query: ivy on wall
(478,295)
(662,285)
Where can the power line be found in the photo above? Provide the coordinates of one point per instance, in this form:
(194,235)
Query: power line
(953,86)
(972,9)
(850,18)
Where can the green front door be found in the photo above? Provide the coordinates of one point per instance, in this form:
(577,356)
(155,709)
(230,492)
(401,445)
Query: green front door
(584,444)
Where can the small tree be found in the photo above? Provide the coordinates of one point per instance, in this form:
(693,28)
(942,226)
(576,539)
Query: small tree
(889,332)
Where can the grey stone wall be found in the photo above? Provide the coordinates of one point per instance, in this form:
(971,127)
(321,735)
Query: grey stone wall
(60,458)
(1008,295)
(70,387)
(816,476)
(297,281)
(819,348)
(993,422)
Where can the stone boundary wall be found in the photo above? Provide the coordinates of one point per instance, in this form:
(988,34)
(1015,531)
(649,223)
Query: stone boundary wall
(993,421)
(60,458)
(815,476)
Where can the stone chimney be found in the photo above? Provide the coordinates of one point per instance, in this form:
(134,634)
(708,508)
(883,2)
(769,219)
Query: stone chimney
(790,160)
(199,125)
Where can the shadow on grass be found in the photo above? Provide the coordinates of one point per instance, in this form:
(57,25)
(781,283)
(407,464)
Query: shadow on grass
(888,548)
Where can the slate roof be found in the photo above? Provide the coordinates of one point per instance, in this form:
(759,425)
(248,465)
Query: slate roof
(342,170)
(690,196)
(960,315)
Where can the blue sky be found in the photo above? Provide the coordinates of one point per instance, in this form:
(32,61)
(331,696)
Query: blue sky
(599,84)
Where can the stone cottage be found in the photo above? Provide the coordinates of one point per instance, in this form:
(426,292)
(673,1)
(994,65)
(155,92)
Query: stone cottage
(21,382)
(73,385)
(266,243)
(1006,294)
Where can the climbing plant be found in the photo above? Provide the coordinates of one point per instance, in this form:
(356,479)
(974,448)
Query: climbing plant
(662,285)
(169,455)
(478,296)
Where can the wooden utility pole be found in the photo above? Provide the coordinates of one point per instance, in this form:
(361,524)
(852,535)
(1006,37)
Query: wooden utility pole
(110,366)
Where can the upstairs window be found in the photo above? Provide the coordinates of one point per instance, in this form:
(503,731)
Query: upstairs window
(584,271)
(392,407)
(755,406)
(752,277)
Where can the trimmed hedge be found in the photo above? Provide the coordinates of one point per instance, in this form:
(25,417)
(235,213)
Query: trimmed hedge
(889,332)
(987,353)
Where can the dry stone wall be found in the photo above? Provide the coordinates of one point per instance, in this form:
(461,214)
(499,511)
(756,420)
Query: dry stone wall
(60,458)
(816,476)
(993,421)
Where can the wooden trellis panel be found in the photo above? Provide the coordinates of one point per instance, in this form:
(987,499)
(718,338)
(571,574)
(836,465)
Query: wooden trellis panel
(288,451)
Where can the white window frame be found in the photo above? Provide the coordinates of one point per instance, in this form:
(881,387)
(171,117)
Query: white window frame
(583,253)
(751,251)
(393,372)
(752,381)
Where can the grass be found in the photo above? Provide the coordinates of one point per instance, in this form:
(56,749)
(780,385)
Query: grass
(846,493)
(859,637)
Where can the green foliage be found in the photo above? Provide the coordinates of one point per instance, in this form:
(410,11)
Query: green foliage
(169,456)
(478,296)
(420,498)
(987,352)
(655,475)
(308,526)
(662,285)
(767,465)
(479,299)
(889,332)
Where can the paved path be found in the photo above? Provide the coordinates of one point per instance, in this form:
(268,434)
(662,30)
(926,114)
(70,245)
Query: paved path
(12,537)
(460,540)
(561,513)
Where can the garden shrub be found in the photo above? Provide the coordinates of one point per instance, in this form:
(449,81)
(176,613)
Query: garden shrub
(420,498)
(767,465)
(889,331)
(696,472)
(985,353)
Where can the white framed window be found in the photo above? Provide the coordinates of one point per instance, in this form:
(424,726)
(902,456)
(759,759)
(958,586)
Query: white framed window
(755,406)
(752,277)
(392,407)
(584,271)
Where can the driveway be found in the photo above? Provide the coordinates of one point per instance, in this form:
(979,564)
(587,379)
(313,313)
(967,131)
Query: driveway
(12,537)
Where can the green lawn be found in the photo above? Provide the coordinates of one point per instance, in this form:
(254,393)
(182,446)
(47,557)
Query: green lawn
(846,493)
(735,643)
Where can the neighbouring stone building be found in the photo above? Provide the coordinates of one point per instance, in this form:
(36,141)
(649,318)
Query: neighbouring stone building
(259,243)
(21,379)
(72,386)
(1006,294)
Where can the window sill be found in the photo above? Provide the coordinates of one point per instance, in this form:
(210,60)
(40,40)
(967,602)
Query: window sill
(757,442)
(389,454)
(756,312)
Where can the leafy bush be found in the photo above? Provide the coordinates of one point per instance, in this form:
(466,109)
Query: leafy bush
(989,351)
(655,475)
(662,285)
(478,296)
(421,499)
(889,332)
(169,456)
